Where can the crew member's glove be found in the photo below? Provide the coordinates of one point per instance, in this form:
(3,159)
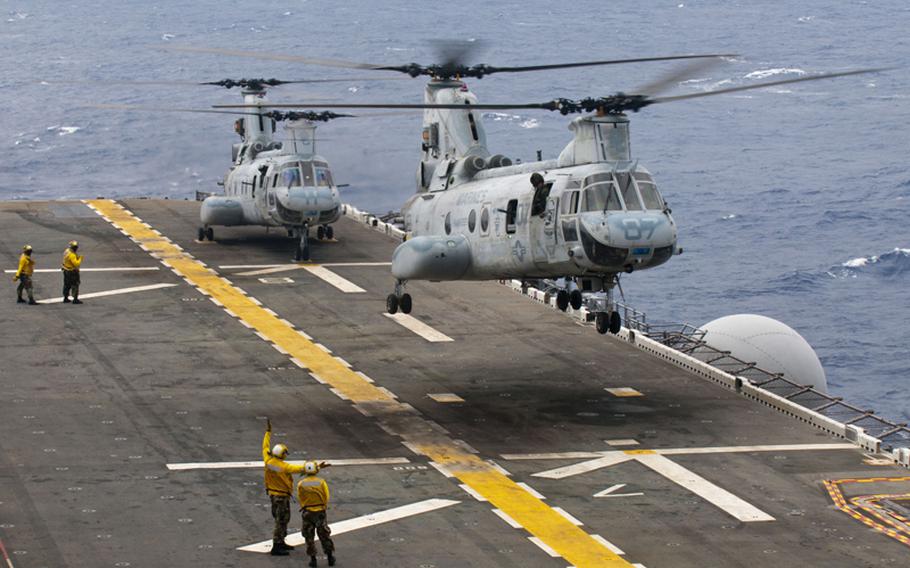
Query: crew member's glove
(268,425)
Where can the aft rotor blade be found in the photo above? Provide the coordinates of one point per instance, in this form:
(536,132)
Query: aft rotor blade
(673,78)
(398,106)
(766,84)
(492,69)
(272,56)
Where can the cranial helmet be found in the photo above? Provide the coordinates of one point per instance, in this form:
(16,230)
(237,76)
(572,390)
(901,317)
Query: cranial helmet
(27,248)
(73,244)
(280,450)
(536,179)
(310,468)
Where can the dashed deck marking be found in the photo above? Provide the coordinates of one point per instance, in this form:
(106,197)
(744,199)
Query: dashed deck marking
(445,397)
(611,492)
(110,293)
(623,392)
(119,269)
(720,498)
(258,464)
(335,280)
(365,521)
(418,327)
(572,543)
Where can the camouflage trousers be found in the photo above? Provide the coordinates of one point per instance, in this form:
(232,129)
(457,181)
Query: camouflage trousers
(315,522)
(25,283)
(281,512)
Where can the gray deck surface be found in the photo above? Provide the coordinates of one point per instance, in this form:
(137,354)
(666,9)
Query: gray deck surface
(97,399)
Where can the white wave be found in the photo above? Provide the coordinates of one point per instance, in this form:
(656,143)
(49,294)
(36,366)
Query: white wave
(805,19)
(54,127)
(530,123)
(65,130)
(167,37)
(859,262)
(765,73)
(728,217)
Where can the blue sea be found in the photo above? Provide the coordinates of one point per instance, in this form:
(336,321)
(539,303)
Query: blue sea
(792,202)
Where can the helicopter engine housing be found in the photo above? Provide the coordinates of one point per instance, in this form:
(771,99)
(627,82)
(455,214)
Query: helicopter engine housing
(218,210)
(432,258)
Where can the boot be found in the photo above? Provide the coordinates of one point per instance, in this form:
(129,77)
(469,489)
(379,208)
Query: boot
(66,300)
(285,546)
(20,301)
(312,562)
(77,301)
(331,559)
(32,302)
(278,550)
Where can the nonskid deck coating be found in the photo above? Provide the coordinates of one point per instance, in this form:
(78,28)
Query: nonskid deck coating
(101,399)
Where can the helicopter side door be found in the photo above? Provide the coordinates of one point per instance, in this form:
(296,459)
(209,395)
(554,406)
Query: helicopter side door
(542,225)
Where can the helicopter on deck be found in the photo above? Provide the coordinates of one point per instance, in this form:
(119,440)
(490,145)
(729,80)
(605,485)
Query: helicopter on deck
(587,216)
(271,183)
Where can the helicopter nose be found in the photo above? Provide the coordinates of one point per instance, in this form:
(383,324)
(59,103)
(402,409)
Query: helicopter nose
(629,240)
(305,198)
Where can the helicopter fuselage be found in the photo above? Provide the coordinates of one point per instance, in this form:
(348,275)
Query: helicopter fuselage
(592,219)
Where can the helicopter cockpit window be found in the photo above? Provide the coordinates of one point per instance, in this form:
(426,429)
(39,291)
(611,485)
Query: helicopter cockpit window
(307,169)
(601,197)
(323,176)
(290,176)
(629,195)
(649,193)
(570,203)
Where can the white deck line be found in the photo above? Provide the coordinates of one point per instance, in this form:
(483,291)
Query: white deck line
(365,521)
(270,270)
(568,516)
(509,520)
(544,546)
(531,490)
(252,464)
(720,498)
(111,292)
(768,448)
(612,547)
(418,327)
(467,489)
(300,265)
(611,458)
(335,280)
(611,492)
(116,269)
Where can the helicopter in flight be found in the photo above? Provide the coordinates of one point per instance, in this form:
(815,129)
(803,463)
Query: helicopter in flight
(588,216)
(271,183)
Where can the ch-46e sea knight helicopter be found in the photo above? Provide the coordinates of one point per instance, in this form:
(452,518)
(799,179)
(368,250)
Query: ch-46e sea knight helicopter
(270,183)
(588,216)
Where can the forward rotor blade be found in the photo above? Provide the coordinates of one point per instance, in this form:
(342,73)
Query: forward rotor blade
(143,108)
(399,106)
(271,56)
(491,69)
(766,84)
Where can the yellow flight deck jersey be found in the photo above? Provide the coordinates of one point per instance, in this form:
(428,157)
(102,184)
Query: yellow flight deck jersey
(278,473)
(26,266)
(313,493)
(71,260)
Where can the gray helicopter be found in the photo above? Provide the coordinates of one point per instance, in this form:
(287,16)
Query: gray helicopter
(585,217)
(270,183)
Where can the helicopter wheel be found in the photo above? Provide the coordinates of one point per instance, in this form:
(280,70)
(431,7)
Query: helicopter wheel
(575,299)
(391,303)
(320,232)
(329,232)
(602,322)
(200,234)
(615,322)
(405,303)
(210,233)
(562,300)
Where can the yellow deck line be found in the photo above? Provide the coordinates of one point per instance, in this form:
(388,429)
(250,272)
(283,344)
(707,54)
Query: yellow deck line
(572,543)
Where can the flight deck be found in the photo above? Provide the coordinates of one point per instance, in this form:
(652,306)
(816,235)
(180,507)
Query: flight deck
(483,429)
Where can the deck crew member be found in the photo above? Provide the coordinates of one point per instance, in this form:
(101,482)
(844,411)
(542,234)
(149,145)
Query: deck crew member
(24,276)
(313,495)
(279,482)
(71,264)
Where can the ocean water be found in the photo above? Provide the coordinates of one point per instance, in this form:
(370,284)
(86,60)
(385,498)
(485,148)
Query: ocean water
(792,202)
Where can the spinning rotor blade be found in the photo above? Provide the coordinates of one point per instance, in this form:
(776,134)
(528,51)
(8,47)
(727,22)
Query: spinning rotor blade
(673,78)
(279,116)
(255,84)
(613,104)
(452,54)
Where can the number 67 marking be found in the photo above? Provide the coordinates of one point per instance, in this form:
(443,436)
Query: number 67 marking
(635,228)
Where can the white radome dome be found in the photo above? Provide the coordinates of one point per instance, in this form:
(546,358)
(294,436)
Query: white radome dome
(772,345)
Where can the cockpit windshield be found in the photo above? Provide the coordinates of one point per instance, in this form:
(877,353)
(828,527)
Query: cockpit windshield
(290,176)
(648,190)
(627,188)
(323,175)
(601,196)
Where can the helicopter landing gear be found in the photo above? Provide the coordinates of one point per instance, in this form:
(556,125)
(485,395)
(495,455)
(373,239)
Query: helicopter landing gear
(606,316)
(303,245)
(608,321)
(562,300)
(329,232)
(320,232)
(205,233)
(576,299)
(200,236)
(399,300)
